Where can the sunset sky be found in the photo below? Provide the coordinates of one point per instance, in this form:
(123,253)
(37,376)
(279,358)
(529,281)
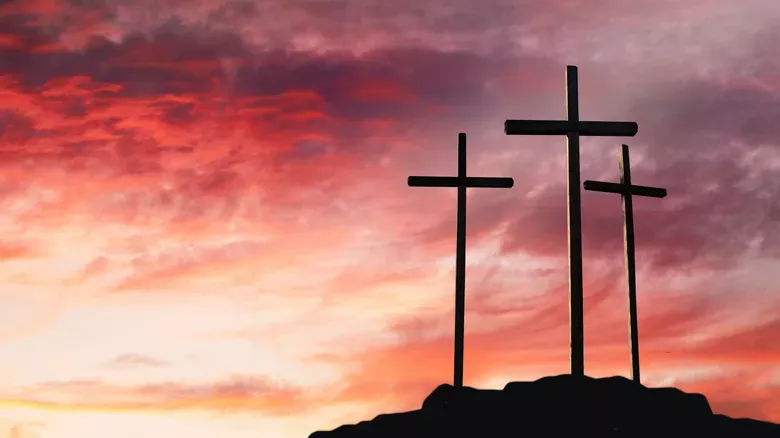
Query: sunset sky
(206,229)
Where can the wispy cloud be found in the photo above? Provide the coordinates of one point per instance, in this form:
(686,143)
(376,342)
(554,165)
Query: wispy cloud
(237,394)
(136,360)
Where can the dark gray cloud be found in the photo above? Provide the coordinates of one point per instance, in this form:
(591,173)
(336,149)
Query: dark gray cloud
(699,140)
(129,63)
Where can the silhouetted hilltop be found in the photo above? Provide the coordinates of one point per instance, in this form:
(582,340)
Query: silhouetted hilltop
(559,406)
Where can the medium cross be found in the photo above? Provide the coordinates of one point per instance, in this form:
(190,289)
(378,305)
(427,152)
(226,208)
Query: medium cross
(627,190)
(461,182)
(573,128)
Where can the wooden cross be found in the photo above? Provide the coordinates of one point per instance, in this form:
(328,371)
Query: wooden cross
(573,128)
(627,190)
(461,182)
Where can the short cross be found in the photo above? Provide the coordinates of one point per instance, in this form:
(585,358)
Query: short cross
(461,182)
(572,128)
(627,190)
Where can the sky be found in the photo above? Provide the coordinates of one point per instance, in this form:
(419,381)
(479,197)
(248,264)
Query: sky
(206,228)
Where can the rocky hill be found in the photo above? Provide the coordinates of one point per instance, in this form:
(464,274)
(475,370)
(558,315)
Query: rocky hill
(559,406)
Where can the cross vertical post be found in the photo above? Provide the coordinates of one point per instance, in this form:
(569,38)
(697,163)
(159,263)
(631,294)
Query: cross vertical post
(460,264)
(574,225)
(629,248)
(627,191)
(462,182)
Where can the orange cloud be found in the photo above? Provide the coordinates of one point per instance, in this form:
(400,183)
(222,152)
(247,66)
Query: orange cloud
(17,250)
(237,394)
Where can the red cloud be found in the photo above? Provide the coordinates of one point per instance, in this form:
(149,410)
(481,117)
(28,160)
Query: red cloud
(10,41)
(35,7)
(380,90)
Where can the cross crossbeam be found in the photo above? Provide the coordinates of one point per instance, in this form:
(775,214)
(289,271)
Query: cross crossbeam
(461,182)
(564,127)
(453,181)
(627,191)
(608,187)
(573,128)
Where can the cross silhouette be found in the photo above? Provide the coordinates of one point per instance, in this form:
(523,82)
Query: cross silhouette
(627,191)
(573,128)
(461,182)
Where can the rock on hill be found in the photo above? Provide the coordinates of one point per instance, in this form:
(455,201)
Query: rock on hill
(559,406)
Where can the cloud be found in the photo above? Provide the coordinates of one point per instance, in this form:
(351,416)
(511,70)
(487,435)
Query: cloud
(18,250)
(710,145)
(125,114)
(183,264)
(133,125)
(236,394)
(136,360)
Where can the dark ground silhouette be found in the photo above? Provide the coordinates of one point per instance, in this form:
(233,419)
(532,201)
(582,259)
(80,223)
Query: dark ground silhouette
(559,406)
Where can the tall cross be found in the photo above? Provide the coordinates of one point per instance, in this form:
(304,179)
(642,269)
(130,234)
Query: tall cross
(461,182)
(627,190)
(573,128)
